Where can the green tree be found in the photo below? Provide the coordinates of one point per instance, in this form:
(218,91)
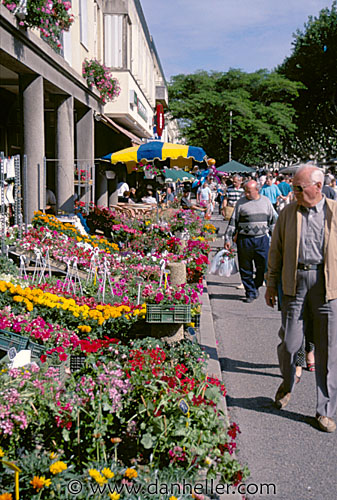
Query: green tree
(261,103)
(314,63)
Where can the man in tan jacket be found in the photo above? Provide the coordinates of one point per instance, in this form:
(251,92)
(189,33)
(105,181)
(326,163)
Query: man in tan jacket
(303,256)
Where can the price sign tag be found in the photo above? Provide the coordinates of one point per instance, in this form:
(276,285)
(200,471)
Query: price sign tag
(184,407)
(11,353)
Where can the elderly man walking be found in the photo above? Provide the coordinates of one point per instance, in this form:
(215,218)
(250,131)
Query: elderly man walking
(303,253)
(251,224)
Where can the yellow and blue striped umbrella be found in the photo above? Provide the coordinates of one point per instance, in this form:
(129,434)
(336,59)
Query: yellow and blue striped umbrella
(156,150)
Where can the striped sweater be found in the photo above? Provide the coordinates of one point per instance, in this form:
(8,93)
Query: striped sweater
(252,218)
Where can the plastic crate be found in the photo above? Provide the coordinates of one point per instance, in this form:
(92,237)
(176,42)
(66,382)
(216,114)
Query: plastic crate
(196,320)
(156,313)
(10,339)
(77,362)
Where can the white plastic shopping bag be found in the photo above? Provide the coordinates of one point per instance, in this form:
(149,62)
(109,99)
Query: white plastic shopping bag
(216,261)
(223,264)
(227,266)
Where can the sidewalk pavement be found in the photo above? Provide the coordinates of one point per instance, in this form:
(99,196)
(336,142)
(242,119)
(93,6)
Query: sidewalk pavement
(284,450)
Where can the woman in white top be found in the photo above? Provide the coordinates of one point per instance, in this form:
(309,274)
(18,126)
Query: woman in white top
(204,198)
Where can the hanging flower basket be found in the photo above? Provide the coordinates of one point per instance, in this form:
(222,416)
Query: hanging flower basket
(99,76)
(50,17)
(148,175)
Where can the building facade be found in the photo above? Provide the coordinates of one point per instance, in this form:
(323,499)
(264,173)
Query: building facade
(51,116)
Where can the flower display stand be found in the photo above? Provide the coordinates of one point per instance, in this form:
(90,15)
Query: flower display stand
(167,321)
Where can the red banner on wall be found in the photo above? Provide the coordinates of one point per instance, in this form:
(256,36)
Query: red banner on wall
(160,119)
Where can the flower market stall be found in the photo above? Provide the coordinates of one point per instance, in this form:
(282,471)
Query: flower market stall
(94,405)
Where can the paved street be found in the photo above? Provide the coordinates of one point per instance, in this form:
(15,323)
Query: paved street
(282,447)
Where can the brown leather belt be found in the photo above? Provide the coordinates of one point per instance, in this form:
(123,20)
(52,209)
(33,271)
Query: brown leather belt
(310,267)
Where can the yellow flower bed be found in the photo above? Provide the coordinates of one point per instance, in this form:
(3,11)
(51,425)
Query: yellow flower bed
(210,228)
(36,297)
(64,227)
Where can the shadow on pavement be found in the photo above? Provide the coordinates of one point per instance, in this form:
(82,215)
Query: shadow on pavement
(266,405)
(221,283)
(221,296)
(211,351)
(237,366)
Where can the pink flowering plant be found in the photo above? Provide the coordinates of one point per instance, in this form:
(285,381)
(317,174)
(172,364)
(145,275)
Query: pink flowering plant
(99,75)
(51,17)
(148,169)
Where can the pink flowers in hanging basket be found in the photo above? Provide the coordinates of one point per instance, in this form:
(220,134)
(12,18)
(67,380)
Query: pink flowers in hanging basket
(50,17)
(99,76)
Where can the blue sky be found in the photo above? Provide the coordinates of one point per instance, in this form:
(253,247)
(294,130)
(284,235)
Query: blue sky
(222,34)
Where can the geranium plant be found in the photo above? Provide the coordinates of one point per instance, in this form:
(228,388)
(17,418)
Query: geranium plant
(50,17)
(100,76)
(82,175)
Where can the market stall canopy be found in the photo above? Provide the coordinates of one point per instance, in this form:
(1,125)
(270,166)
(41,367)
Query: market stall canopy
(174,175)
(234,167)
(155,150)
(292,169)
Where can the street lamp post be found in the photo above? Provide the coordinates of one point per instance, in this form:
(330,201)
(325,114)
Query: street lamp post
(230,136)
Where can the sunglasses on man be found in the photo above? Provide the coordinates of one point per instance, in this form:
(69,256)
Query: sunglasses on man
(300,189)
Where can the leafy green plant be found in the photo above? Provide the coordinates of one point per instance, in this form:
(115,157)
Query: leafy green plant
(8,267)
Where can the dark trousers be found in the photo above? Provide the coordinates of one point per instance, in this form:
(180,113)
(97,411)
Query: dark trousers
(252,251)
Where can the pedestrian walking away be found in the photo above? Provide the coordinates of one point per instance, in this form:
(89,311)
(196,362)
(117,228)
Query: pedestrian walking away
(272,191)
(250,227)
(233,194)
(303,253)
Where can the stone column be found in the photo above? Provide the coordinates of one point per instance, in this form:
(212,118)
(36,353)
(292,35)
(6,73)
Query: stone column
(85,145)
(33,138)
(65,154)
(101,188)
(113,195)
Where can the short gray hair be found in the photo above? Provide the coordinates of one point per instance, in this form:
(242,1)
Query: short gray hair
(316,174)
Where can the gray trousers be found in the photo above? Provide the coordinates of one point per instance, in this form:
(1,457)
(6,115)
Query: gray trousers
(310,293)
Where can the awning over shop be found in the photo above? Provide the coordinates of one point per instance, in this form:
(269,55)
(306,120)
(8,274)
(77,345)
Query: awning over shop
(174,175)
(118,128)
(234,167)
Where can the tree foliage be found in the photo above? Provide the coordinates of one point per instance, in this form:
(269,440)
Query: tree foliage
(261,104)
(314,63)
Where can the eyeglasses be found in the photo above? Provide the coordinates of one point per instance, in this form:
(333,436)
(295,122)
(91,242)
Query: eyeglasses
(300,189)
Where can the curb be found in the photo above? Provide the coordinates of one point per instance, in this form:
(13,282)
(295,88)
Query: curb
(207,341)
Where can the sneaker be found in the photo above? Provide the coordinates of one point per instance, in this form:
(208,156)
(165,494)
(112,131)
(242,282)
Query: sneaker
(282,398)
(326,424)
(248,300)
(240,287)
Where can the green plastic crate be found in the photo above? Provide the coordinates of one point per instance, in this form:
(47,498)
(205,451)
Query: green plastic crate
(10,339)
(156,313)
